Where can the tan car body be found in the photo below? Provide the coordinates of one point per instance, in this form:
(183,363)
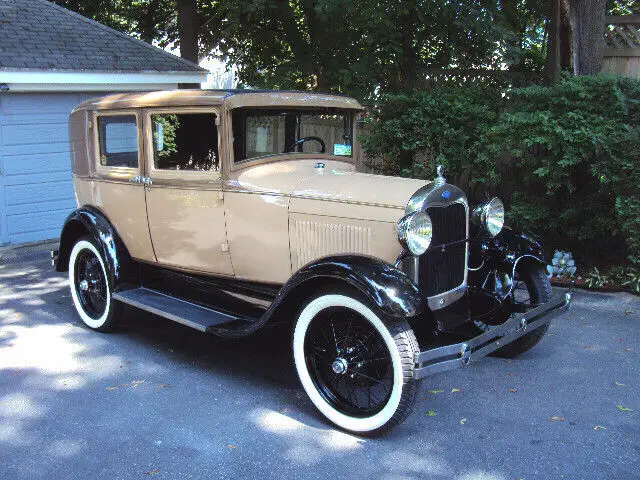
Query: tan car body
(259,220)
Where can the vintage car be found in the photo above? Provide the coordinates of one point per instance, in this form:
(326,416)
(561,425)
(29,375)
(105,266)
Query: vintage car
(228,211)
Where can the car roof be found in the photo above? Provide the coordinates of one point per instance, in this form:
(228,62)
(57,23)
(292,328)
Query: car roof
(229,98)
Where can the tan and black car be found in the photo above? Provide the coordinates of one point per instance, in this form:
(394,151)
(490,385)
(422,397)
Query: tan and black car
(228,211)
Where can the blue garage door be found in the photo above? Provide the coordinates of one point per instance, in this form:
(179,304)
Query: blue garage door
(36,191)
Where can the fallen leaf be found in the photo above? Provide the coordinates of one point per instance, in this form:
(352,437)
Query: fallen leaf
(455,390)
(430,413)
(463,421)
(152,472)
(435,391)
(112,388)
(598,427)
(627,349)
(164,385)
(617,340)
(629,312)
(512,390)
(618,384)
(556,419)
(513,374)
(231,446)
(623,409)
(589,346)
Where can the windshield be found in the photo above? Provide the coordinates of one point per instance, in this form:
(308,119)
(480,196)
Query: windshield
(262,132)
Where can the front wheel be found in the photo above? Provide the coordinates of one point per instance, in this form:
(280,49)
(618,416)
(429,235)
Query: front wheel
(356,368)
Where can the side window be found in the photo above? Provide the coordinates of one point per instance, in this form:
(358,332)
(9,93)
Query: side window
(118,140)
(185,141)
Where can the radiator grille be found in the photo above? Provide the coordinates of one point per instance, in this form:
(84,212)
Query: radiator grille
(442,266)
(318,239)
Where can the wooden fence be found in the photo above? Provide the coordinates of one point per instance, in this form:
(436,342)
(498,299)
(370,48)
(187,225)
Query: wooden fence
(622,46)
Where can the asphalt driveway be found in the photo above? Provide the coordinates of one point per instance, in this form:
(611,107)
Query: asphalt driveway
(158,400)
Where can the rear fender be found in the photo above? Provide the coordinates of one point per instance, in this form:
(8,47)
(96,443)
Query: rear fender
(92,222)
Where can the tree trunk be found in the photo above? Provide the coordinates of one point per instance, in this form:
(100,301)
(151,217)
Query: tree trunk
(409,60)
(148,20)
(552,66)
(565,36)
(587,23)
(188,29)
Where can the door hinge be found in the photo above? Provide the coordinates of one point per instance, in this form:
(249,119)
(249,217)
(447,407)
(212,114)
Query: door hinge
(225,247)
(220,195)
(217,121)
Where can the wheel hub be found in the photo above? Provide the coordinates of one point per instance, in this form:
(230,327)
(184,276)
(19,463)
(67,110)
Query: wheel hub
(339,366)
(84,285)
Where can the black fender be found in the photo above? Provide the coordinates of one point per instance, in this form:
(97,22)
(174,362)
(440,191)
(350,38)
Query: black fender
(91,221)
(386,287)
(505,250)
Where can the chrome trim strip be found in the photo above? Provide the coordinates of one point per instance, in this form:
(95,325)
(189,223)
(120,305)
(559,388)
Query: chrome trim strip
(443,299)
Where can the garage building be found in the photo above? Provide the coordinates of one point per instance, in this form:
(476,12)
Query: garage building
(51,59)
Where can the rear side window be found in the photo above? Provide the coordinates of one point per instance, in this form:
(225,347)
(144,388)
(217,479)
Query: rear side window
(118,138)
(185,141)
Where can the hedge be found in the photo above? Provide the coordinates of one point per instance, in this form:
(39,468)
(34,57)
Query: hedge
(565,159)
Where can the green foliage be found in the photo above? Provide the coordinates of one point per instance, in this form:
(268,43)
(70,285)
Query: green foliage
(418,130)
(358,47)
(615,277)
(566,159)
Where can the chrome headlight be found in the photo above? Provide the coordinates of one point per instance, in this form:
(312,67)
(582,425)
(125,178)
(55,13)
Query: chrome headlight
(414,232)
(490,215)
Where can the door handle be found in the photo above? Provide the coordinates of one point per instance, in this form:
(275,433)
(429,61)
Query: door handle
(137,179)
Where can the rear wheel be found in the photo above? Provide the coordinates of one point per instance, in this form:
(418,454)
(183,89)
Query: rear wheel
(531,287)
(356,368)
(89,285)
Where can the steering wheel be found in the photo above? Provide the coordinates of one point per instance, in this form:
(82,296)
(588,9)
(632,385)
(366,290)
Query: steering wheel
(300,141)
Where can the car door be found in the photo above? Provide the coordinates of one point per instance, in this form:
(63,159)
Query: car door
(117,189)
(185,202)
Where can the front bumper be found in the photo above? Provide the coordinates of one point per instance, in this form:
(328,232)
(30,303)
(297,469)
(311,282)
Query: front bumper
(449,357)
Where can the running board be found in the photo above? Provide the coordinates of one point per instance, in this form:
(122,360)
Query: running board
(176,309)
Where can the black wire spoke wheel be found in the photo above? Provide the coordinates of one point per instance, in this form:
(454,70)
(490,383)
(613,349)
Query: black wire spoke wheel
(90,284)
(349,362)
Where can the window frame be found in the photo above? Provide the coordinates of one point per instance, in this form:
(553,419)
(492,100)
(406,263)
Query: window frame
(272,157)
(197,178)
(119,172)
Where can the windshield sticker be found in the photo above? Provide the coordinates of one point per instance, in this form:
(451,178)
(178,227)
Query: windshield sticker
(341,149)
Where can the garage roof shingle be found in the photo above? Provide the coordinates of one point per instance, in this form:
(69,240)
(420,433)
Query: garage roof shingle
(39,35)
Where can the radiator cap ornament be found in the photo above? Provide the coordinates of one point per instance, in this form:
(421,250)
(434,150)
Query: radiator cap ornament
(440,180)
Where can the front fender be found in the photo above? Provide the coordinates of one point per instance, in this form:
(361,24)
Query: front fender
(505,250)
(387,287)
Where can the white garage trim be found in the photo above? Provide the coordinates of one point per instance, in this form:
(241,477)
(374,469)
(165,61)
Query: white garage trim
(45,81)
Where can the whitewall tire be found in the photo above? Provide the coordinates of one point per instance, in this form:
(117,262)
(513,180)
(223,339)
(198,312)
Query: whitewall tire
(89,286)
(356,368)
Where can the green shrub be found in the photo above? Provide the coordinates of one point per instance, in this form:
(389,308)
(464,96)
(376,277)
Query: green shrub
(565,159)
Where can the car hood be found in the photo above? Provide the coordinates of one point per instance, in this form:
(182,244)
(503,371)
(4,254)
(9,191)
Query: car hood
(355,187)
(337,182)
